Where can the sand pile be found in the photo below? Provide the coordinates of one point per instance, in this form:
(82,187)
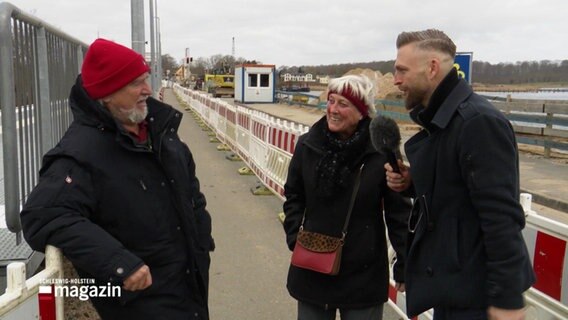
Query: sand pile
(384,84)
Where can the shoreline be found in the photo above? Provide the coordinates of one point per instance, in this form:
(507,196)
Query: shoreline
(529,87)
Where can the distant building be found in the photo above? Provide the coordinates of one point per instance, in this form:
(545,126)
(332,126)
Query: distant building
(308,77)
(323,79)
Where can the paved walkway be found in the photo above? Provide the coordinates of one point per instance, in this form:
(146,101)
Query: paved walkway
(546,179)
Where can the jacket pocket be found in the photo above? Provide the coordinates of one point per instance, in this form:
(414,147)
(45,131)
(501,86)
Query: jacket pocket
(56,185)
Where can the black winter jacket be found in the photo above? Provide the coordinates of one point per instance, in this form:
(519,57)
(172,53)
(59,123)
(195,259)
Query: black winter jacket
(468,250)
(112,205)
(363,278)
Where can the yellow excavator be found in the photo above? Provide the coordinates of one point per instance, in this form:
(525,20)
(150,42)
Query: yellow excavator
(220,84)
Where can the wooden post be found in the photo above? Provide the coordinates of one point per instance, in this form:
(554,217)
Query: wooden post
(549,128)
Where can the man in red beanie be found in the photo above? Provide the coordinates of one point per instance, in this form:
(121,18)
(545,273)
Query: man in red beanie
(119,195)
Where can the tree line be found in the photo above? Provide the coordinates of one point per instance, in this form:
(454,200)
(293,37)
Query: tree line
(483,72)
(521,72)
(216,64)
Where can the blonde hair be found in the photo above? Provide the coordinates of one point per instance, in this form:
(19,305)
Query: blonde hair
(430,39)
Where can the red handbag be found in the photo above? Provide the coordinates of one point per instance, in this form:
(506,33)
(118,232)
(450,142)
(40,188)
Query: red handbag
(319,252)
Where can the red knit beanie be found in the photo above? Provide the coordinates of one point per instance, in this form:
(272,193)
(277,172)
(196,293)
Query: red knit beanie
(109,66)
(350,95)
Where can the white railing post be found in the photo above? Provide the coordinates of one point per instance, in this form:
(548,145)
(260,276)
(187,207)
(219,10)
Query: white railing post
(526,203)
(16,278)
(54,261)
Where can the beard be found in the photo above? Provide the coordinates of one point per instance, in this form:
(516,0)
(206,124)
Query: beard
(134,116)
(414,97)
(137,116)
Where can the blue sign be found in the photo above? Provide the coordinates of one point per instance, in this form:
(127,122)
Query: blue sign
(463,63)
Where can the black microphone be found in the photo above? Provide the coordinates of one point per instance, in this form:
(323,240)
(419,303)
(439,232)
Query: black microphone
(385,137)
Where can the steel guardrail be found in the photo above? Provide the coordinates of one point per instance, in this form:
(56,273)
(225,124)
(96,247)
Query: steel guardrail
(38,65)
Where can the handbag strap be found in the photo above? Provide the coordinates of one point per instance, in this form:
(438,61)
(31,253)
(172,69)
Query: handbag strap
(352,202)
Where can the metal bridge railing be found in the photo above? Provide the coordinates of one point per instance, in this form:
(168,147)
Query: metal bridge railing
(38,65)
(537,123)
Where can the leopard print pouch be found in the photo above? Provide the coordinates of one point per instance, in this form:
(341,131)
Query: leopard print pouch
(318,242)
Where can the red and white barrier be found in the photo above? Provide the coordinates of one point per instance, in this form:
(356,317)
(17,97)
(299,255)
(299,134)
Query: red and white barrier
(258,148)
(243,132)
(23,298)
(231,127)
(221,126)
(546,243)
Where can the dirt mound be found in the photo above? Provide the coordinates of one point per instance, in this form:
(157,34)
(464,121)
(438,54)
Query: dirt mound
(386,87)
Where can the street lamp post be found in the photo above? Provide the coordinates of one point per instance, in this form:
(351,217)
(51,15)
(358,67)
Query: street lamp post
(159,74)
(187,64)
(137,17)
(153,77)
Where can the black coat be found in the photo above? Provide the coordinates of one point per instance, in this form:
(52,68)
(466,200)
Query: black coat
(468,251)
(112,205)
(364,274)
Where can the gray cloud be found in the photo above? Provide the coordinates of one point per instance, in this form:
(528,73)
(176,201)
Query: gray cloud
(300,32)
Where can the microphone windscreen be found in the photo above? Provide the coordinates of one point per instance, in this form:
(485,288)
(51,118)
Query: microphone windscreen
(385,134)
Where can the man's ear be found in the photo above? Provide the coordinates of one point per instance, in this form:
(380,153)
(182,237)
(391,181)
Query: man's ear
(433,68)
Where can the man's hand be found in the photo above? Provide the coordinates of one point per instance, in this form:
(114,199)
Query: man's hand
(504,314)
(398,181)
(139,280)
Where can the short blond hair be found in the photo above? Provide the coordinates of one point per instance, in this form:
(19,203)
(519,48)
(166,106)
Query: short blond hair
(430,39)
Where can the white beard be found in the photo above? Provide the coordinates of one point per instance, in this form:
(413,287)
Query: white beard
(134,116)
(137,116)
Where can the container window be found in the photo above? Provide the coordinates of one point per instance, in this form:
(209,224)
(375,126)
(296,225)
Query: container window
(253,80)
(264,80)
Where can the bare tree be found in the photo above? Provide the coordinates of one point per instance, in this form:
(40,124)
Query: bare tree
(169,63)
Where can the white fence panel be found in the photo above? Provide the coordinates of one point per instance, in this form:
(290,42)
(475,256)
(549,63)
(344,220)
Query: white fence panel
(21,300)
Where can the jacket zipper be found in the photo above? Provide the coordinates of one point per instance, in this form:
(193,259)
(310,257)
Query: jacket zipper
(163,133)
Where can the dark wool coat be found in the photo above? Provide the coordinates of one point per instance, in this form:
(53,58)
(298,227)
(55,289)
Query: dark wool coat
(112,205)
(468,250)
(363,278)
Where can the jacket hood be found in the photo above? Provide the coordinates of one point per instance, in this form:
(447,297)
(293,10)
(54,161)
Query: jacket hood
(91,113)
(88,111)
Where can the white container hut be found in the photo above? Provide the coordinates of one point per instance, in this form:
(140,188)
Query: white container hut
(255,83)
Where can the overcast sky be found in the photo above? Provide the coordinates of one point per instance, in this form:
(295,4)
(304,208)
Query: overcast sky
(314,32)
